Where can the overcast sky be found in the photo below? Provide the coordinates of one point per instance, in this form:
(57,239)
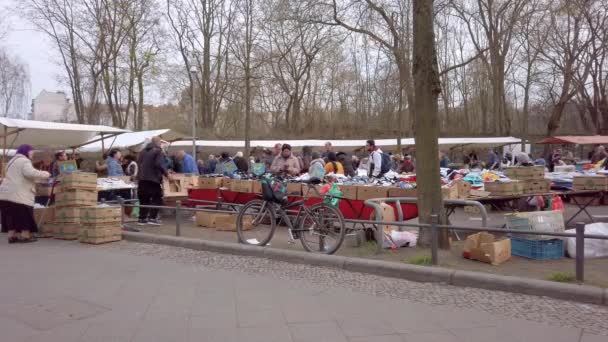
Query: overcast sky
(33,49)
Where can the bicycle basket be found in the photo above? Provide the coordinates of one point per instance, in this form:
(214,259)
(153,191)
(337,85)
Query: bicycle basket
(273,190)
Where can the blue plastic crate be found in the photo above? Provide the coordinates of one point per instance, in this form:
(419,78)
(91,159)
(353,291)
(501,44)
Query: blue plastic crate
(537,249)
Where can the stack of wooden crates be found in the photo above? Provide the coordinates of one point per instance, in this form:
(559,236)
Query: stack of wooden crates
(75,191)
(532,178)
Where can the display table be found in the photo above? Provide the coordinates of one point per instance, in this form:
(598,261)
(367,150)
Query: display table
(351,209)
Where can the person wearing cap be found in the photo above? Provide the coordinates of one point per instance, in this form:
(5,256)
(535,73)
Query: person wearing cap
(285,163)
(17,196)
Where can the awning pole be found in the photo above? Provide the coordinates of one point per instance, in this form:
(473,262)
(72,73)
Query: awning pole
(103,146)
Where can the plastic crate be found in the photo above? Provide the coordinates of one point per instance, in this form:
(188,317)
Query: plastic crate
(537,249)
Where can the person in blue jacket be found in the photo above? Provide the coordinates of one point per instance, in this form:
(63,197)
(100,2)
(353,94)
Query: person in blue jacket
(188,163)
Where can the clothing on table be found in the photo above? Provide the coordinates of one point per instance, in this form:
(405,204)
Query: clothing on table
(335,167)
(375,163)
(291,163)
(151,163)
(241,164)
(189,165)
(598,157)
(114,168)
(149,193)
(17,217)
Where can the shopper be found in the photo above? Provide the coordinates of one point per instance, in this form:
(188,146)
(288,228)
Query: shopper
(444,160)
(131,169)
(599,155)
(17,196)
(328,149)
(241,163)
(286,163)
(152,169)
(188,165)
(316,159)
(379,162)
(333,165)
(225,166)
(347,163)
(493,162)
(210,165)
(408,165)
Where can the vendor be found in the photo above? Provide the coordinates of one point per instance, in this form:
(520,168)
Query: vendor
(59,157)
(285,163)
(187,163)
(408,165)
(113,164)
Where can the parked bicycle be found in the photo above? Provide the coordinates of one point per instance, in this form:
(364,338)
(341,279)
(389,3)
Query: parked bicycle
(320,227)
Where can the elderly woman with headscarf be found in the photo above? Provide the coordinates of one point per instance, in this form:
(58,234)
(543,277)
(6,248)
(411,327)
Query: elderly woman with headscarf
(17,193)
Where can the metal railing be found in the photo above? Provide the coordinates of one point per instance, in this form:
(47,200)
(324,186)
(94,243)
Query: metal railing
(377,223)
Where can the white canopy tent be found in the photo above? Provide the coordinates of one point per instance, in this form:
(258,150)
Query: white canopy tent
(452,142)
(133,140)
(40,134)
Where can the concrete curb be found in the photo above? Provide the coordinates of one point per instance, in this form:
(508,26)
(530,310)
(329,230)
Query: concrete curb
(571,292)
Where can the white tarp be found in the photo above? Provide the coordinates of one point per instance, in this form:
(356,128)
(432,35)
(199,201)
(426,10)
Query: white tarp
(42,134)
(498,141)
(132,140)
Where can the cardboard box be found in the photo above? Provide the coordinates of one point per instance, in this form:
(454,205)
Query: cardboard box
(227,222)
(464,189)
(295,189)
(76,198)
(99,236)
(67,215)
(485,248)
(209,183)
(590,183)
(349,191)
(44,215)
(369,192)
(98,215)
(504,188)
(66,231)
(479,194)
(257,187)
(399,192)
(78,181)
(227,183)
(449,192)
(525,172)
(536,186)
(239,185)
(46,230)
(206,219)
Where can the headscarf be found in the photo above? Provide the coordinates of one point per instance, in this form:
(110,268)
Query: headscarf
(24,150)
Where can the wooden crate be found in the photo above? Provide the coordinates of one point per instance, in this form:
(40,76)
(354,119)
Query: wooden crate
(590,183)
(512,188)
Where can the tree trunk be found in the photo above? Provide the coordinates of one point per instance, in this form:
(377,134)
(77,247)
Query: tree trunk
(427,89)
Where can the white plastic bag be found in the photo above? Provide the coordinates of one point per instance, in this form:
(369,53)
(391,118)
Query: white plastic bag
(399,239)
(594,248)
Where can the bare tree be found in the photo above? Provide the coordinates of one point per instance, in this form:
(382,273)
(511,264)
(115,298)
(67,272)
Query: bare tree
(14,85)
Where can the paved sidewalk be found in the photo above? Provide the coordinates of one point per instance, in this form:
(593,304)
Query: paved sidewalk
(64,291)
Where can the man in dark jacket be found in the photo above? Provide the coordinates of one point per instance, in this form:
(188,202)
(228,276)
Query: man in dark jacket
(347,163)
(152,168)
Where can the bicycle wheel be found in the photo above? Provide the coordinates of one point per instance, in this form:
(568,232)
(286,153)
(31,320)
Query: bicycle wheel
(255,223)
(322,230)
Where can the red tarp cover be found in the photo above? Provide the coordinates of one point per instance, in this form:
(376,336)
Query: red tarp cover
(354,210)
(576,139)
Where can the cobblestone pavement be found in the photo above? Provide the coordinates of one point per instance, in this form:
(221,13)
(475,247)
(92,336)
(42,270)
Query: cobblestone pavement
(65,291)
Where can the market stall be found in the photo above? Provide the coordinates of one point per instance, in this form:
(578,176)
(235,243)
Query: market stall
(131,141)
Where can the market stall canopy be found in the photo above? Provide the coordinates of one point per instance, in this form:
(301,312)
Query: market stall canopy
(41,134)
(498,141)
(576,140)
(133,140)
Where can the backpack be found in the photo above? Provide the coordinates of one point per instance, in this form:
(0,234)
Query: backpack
(273,190)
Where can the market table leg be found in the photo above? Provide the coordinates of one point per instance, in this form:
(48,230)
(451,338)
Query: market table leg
(582,207)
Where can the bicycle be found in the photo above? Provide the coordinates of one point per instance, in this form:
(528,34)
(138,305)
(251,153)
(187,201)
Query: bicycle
(320,227)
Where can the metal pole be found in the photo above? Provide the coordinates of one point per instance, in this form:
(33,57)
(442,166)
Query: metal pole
(434,238)
(580,252)
(178,228)
(193,72)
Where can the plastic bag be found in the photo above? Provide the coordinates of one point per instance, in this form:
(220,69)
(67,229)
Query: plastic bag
(557,204)
(258,169)
(594,248)
(398,239)
(316,171)
(334,194)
